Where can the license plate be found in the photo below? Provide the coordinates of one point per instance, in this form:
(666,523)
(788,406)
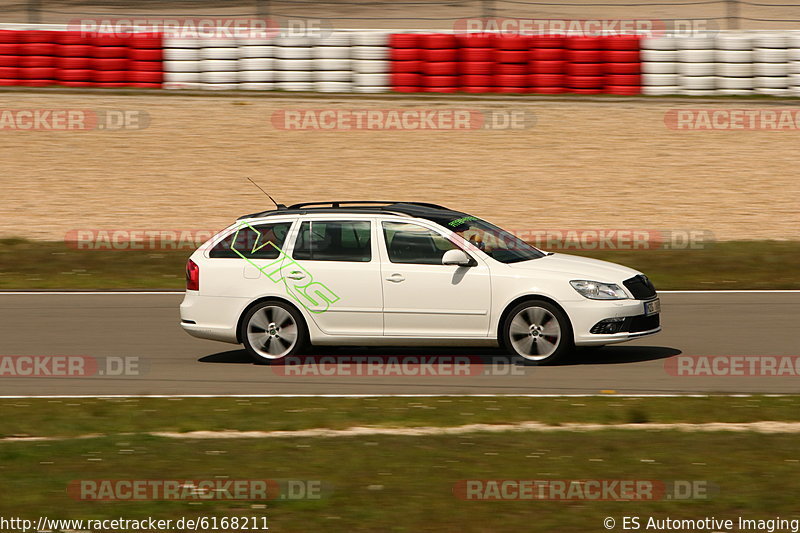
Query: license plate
(652,307)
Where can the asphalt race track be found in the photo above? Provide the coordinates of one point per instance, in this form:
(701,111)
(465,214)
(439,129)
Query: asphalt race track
(146,326)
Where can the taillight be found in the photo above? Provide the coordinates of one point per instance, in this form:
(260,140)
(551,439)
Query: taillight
(192,276)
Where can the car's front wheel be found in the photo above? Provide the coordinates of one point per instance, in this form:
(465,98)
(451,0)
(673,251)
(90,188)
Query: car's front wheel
(272,330)
(538,332)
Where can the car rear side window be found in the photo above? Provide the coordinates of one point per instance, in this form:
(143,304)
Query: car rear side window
(253,242)
(414,244)
(334,240)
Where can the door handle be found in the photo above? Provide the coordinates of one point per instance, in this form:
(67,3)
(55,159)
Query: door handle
(296,274)
(396,278)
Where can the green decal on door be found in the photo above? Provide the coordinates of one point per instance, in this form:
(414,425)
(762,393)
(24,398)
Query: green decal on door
(299,283)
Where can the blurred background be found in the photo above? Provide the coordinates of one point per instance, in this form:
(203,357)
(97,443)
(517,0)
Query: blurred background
(725,14)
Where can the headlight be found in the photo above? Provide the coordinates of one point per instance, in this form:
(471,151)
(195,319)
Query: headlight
(595,290)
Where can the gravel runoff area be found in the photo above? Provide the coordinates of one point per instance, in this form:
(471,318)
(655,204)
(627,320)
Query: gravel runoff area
(584,164)
(418,14)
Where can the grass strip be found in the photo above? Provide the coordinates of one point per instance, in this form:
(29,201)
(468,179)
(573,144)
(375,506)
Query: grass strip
(73,417)
(406,483)
(28,264)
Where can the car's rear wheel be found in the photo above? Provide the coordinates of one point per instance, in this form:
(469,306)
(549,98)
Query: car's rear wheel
(273,330)
(538,332)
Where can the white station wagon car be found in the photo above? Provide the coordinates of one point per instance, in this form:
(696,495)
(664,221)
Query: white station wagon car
(402,274)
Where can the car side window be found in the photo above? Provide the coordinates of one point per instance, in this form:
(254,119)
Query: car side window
(334,240)
(246,238)
(412,243)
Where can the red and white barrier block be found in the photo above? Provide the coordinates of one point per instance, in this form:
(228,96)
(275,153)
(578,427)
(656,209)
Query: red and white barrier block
(514,64)
(376,61)
(41,58)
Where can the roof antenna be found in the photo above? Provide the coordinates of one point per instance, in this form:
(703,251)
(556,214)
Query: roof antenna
(277,205)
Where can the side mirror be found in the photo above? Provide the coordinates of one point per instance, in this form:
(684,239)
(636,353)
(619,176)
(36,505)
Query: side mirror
(456,257)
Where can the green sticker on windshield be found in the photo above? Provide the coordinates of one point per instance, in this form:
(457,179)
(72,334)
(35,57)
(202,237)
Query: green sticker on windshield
(459,221)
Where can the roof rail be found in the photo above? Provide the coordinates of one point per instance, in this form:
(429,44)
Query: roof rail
(426,204)
(338,203)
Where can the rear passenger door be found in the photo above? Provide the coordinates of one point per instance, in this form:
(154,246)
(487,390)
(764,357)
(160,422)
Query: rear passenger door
(336,263)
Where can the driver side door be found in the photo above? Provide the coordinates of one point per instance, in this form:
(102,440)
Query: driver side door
(424,298)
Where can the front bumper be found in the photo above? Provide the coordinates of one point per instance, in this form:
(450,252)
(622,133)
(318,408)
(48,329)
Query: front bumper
(600,340)
(634,323)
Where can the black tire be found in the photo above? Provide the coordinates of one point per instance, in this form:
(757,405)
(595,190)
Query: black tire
(543,333)
(265,331)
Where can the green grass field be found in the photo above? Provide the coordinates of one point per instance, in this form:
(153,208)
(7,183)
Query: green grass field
(400,483)
(724,265)
(395,483)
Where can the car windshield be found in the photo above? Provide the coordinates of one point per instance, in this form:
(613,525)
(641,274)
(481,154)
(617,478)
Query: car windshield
(495,242)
